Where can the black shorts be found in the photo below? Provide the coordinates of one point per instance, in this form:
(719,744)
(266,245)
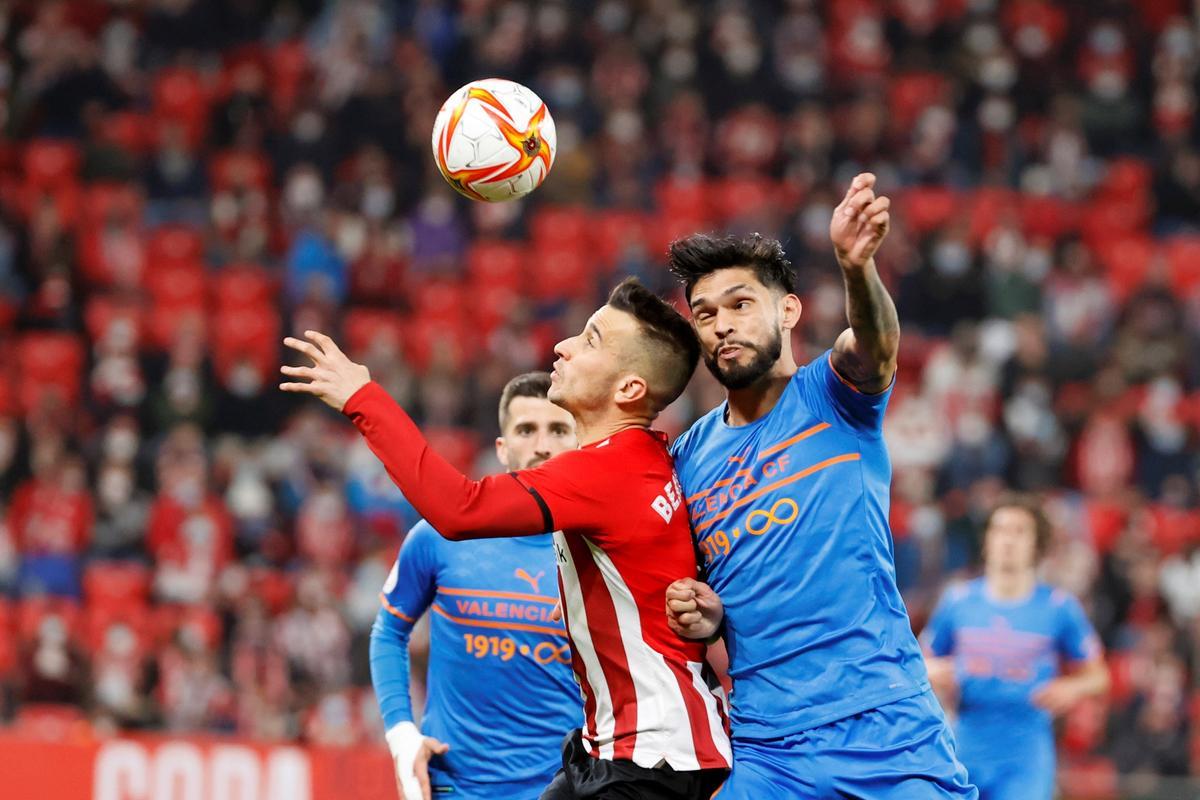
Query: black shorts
(585,778)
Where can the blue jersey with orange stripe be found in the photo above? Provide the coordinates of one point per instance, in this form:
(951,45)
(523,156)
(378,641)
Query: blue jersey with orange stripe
(500,689)
(791,515)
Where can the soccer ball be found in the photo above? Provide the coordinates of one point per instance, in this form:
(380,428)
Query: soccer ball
(494,140)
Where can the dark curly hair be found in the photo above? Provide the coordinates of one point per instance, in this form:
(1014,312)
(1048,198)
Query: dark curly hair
(693,257)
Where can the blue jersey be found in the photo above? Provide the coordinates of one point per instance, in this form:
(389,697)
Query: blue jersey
(791,514)
(501,691)
(1004,651)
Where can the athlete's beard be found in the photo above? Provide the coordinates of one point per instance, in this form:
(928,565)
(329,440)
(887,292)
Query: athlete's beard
(736,376)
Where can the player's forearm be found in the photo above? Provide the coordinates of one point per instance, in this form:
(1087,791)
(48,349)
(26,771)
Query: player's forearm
(390,670)
(868,356)
(456,506)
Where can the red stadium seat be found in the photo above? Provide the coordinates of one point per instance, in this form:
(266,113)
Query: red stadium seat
(51,722)
(366,328)
(497,263)
(1108,219)
(424,340)
(1126,263)
(105,311)
(179,285)
(289,68)
(440,301)
(244,286)
(1183,263)
(927,208)
(559,226)
(50,163)
(685,199)
(167,621)
(1125,178)
(239,169)
(109,202)
(911,93)
(49,364)
(116,584)
(459,446)
(128,130)
(492,306)
(8,637)
(273,587)
(98,619)
(734,198)
(985,209)
(562,273)
(246,334)
(1047,216)
(614,231)
(174,244)
(180,95)
(33,610)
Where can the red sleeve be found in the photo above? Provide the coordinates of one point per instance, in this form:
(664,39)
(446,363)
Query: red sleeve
(456,506)
(574,489)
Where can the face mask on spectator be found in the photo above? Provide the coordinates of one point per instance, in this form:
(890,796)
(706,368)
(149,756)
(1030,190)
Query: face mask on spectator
(951,258)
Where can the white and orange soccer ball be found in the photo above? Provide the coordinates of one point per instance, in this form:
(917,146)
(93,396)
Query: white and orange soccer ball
(494,140)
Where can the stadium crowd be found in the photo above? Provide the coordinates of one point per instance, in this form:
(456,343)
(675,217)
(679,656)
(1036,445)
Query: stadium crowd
(184,181)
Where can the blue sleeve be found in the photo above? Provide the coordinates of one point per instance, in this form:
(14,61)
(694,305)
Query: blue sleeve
(938,636)
(1077,639)
(406,595)
(836,400)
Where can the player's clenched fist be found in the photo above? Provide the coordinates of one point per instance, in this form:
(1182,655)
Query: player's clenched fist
(334,378)
(694,611)
(411,753)
(859,222)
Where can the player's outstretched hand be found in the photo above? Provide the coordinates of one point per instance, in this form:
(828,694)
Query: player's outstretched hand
(860,222)
(694,611)
(333,378)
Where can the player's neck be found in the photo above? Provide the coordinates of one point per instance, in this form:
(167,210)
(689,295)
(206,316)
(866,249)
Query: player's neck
(590,429)
(1006,585)
(756,401)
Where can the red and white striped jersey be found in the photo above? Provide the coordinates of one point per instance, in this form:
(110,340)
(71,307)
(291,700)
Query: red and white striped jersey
(622,536)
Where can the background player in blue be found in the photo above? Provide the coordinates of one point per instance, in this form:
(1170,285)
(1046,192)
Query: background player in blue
(995,646)
(501,693)
(787,486)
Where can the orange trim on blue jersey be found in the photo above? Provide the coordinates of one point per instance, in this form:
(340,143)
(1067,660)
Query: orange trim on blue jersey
(804,473)
(802,435)
(739,474)
(854,388)
(504,626)
(772,450)
(533,598)
(395,611)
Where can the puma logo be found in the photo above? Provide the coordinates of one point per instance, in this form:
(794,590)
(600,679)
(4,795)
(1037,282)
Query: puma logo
(532,580)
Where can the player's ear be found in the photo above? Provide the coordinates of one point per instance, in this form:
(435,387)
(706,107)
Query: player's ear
(501,450)
(632,388)
(790,309)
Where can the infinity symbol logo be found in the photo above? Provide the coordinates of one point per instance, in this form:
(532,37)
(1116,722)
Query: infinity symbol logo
(775,516)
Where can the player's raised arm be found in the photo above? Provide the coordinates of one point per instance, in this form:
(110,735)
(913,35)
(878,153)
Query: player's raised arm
(865,353)
(456,506)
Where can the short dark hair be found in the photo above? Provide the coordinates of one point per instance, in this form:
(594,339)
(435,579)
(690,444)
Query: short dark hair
(672,348)
(529,384)
(1031,505)
(693,257)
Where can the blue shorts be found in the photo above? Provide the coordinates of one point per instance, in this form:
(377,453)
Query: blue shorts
(1026,773)
(445,788)
(903,750)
